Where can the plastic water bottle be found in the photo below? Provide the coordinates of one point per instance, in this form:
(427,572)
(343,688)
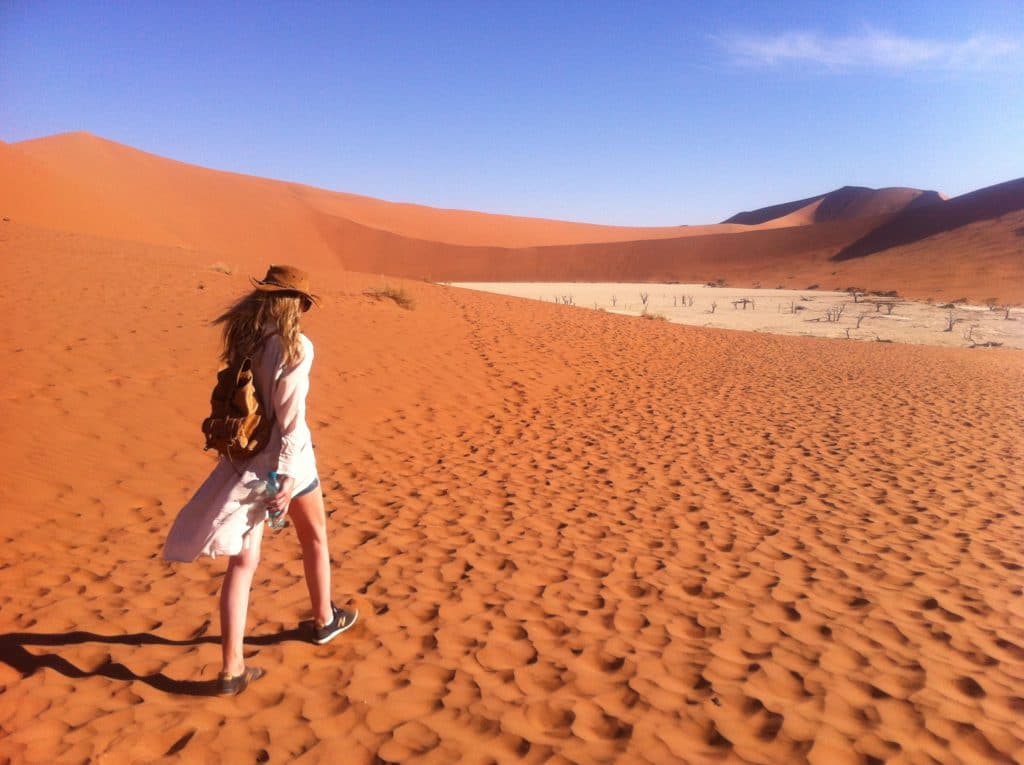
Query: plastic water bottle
(274,519)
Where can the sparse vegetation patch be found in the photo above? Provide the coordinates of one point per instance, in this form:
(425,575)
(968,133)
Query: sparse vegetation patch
(402,298)
(878,316)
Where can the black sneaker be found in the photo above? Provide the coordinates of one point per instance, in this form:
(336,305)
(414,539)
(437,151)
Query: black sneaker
(342,620)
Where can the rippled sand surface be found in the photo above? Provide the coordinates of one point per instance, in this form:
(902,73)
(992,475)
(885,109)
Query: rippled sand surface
(574,536)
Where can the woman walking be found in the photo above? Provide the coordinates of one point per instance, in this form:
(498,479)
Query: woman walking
(226,515)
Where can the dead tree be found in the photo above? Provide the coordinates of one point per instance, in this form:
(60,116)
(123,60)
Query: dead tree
(951,321)
(644,297)
(833,314)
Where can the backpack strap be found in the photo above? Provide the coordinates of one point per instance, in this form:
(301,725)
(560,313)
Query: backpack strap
(227,453)
(268,406)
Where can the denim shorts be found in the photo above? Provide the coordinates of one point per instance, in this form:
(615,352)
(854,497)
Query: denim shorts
(308,489)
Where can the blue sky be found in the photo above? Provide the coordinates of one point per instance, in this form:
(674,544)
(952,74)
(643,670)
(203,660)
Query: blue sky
(628,113)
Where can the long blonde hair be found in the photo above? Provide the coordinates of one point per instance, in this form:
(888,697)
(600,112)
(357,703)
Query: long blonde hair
(247,321)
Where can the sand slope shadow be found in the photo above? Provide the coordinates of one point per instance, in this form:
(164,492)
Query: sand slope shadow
(913,225)
(13,653)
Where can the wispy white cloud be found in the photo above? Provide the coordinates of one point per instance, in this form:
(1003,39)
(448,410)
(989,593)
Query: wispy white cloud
(870,49)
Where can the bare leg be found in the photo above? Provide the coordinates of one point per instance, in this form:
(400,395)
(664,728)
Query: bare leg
(310,521)
(234,602)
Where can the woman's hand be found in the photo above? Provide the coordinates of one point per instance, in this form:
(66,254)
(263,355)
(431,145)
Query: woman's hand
(278,504)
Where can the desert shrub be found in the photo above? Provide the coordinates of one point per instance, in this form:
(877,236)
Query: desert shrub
(222,268)
(402,298)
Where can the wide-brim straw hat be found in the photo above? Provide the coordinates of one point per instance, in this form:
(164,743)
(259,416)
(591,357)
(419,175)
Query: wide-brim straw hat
(285,279)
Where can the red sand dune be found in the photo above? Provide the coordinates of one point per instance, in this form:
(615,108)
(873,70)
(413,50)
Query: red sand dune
(574,537)
(841,204)
(77,182)
(187,200)
(916,223)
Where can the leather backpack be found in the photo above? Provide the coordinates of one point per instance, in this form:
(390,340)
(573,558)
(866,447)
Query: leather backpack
(239,423)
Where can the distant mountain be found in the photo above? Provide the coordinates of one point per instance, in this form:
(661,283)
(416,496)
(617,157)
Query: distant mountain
(842,204)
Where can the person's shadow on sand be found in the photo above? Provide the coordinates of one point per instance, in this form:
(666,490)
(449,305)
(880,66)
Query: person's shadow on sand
(14,654)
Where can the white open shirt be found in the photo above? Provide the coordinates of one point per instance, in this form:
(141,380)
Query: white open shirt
(231,502)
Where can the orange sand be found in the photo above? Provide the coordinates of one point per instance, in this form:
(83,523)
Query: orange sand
(574,537)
